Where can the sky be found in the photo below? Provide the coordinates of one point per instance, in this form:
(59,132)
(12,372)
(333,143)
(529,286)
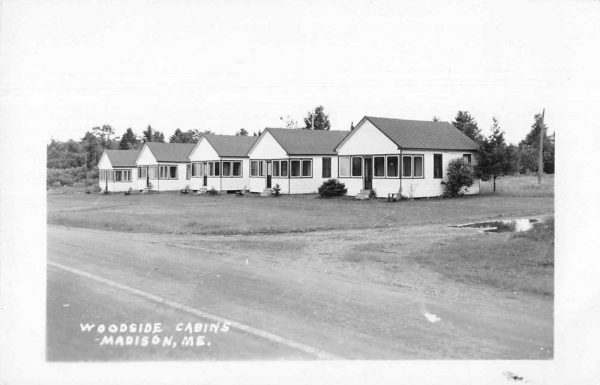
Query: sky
(67,66)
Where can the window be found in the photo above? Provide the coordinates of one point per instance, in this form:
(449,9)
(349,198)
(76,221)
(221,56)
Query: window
(407,166)
(284,168)
(392,166)
(356,166)
(226,169)
(437,166)
(467,158)
(418,166)
(188,171)
(237,169)
(196,169)
(344,166)
(275,168)
(307,168)
(379,166)
(295,168)
(152,172)
(261,168)
(167,172)
(254,168)
(142,172)
(326,172)
(217,168)
(122,175)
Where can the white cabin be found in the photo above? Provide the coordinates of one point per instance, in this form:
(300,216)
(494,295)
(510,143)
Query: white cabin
(164,166)
(410,156)
(297,160)
(221,162)
(117,170)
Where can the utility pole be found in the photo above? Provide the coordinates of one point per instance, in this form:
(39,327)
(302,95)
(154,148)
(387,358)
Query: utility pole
(541,150)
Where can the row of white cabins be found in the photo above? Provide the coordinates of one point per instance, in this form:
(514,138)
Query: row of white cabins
(381,154)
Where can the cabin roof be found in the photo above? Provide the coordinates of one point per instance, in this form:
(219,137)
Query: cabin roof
(307,142)
(122,158)
(171,152)
(231,145)
(423,134)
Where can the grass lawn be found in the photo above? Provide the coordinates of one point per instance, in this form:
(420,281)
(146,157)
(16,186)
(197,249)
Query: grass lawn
(228,214)
(511,261)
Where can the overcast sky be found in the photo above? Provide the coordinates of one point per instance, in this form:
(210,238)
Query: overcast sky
(224,65)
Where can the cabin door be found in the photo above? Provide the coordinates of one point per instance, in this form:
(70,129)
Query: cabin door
(368,173)
(269,173)
(205,175)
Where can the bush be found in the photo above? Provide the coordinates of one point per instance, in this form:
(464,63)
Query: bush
(276,190)
(69,176)
(212,191)
(332,188)
(460,175)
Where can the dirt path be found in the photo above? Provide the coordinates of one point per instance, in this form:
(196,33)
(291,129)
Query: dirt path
(318,289)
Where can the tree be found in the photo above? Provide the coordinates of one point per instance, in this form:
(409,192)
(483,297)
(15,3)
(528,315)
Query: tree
(104,134)
(182,137)
(257,133)
(496,159)
(92,149)
(468,126)
(352,126)
(151,135)
(129,140)
(436,118)
(289,121)
(460,175)
(317,120)
(67,154)
(529,147)
(242,132)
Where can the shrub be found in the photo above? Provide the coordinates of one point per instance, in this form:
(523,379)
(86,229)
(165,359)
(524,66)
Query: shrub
(212,191)
(332,188)
(372,194)
(276,190)
(460,175)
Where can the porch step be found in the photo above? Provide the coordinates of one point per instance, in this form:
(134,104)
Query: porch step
(363,195)
(266,192)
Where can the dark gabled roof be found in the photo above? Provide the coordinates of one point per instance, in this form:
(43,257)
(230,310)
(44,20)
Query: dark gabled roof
(297,141)
(231,145)
(420,134)
(171,152)
(122,158)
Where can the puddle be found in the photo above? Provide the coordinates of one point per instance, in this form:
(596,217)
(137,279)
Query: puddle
(504,226)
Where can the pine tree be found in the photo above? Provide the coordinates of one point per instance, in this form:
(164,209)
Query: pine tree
(129,140)
(317,118)
(468,126)
(496,159)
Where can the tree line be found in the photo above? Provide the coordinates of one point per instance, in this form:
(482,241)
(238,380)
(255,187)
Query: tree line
(497,158)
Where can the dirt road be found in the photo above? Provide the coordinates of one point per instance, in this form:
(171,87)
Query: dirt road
(290,295)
